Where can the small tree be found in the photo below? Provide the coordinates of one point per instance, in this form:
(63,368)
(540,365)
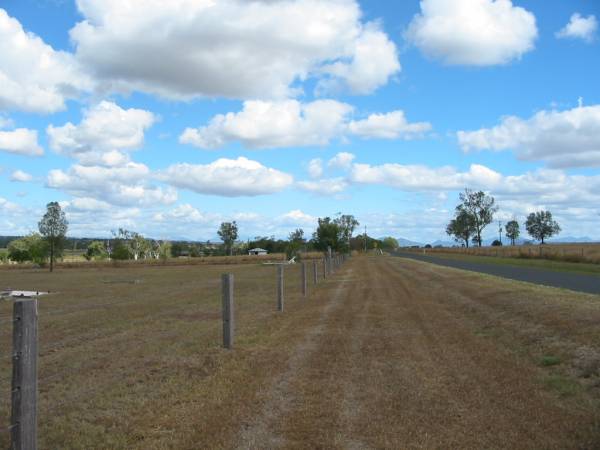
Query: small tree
(296,240)
(480,207)
(96,251)
(540,225)
(53,227)
(29,248)
(228,232)
(512,231)
(462,227)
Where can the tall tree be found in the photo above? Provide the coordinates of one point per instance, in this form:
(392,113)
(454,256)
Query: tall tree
(512,231)
(462,227)
(296,240)
(540,225)
(328,234)
(228,232)
(480,207)
(347,224)
(53,227)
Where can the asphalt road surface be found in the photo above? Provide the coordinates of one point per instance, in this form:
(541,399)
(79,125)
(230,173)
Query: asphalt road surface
(566,280)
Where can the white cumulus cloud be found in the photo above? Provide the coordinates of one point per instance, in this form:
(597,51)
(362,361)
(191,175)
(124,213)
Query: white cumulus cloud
(392,125)
(126,185)
(579,27)
(21,141)
(231,48)
(325,186)
(315,168)
(342,160)
(569,138)
(21,176)
(33,76)
(473,32)
(104,134)
(227,177)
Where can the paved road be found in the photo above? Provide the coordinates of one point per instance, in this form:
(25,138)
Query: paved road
(567,280)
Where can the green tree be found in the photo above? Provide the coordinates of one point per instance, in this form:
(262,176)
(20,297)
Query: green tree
(480,207)
(328,234)
(53,228)
(389,243)
(347,224)
(96,251)
(164,250)
(295,242)
(228,232)
(29,248)
(512,231)
(540,225)
(462,227)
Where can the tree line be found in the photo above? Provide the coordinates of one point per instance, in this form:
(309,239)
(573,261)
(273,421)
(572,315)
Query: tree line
(476,211)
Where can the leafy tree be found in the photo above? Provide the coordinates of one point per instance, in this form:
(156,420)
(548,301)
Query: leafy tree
(296,240)
(29,248)
(3,255)
(96,250)
(164,249)
(480,207)
(53,227)
(389,243)
(120,246)
(496,243)
(347,224)
(462,227)
(228,232)
(512,231)
(540,225)
(328,234)
(140,247)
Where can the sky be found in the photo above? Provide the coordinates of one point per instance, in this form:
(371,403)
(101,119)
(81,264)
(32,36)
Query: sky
(168,118)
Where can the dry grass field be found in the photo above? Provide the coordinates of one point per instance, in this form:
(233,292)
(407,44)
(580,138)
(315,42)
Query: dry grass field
(579,253)
(388,353)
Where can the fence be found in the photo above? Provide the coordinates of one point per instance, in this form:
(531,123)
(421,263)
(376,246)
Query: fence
(22,428)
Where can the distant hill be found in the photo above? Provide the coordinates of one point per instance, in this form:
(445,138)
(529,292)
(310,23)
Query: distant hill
(572,239)
(408,243)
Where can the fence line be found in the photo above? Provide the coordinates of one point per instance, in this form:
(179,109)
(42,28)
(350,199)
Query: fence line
(24,389)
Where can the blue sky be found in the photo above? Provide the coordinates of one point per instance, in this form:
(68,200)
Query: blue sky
(169,117)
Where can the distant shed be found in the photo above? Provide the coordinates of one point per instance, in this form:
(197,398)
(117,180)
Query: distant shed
(257,251)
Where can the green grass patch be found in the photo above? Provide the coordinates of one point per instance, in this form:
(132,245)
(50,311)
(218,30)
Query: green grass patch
(564,386)
(549,360)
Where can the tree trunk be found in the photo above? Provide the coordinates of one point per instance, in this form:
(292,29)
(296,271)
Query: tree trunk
(51,255)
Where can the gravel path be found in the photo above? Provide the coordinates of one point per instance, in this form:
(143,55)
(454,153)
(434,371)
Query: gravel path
(588,283)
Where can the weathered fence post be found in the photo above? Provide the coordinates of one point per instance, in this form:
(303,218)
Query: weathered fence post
(315,272)
(280,287)
(24,376)
(304,280)
(228,321)
(324,268)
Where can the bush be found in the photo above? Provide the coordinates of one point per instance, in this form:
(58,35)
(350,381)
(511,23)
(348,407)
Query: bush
(29,248)
(496,243)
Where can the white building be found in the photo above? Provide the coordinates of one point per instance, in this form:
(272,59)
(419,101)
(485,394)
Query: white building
(257,251)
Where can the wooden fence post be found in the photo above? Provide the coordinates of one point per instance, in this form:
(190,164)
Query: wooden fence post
(228,321)
(324,268)
(304,280)
(280,287)
(24,376)
(315,272)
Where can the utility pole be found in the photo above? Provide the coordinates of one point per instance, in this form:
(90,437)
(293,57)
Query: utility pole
(500,231)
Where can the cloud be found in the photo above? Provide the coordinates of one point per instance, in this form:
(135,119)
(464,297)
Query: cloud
(21,141)
(263,124)
(297,218)
(315,168)
(473,32)
(127,185)
(227,177)
(424,178)
(290,123)
(342,160)
(19,175)
(231,48)
(104,134)
(327,186)
(569,138)
(392,125)
(579,27)
(33,76)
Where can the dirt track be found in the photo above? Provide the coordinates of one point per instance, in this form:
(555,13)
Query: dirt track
(410,355)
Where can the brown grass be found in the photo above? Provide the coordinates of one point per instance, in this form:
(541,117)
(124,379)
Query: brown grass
(578,253)
(388,353)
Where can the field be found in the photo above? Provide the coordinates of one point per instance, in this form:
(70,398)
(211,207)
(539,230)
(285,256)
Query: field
(577,253)
(388,353)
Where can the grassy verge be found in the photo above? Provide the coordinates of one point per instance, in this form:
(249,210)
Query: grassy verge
(559,266)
